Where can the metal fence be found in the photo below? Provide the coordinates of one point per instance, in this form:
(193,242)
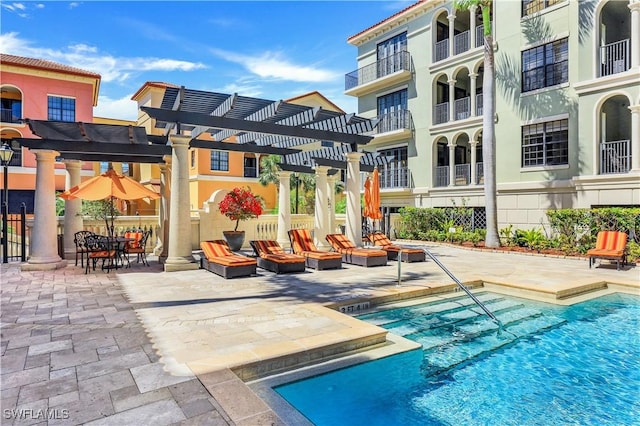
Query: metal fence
(15,238)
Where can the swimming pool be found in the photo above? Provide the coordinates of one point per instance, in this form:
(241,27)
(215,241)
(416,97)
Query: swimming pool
(549,365)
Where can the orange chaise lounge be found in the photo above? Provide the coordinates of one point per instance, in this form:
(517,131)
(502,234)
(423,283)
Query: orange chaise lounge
(378,239)
(356,256)
(302,244)
(273,258)
(219,259)
(609,245)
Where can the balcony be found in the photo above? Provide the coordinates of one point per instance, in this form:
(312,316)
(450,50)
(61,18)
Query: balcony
(462,108)
(250,172)
(382,73)
(462,175)
(393,126)
(461,42)
(395,178)
(615,157)
(441,113)
(11,115)
(614,58)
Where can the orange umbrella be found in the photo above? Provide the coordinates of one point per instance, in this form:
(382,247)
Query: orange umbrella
(367,197)
(109,185)
(374,209)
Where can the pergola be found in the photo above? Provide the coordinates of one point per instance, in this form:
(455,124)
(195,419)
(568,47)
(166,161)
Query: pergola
(236,123)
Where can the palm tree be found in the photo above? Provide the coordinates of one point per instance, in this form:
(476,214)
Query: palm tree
(488,122)
(269,170)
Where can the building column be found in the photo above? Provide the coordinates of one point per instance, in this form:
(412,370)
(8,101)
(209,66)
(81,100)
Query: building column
(474,108)
(162,210)
(354,212)
(44,245)
(635,138)
(284,207)
(331,190)
(634,5)
(452,22)
(474,160)
(166,200)
(452,164)
(179,256)
(72,209)
(321,208)
(452,95)
(472,24)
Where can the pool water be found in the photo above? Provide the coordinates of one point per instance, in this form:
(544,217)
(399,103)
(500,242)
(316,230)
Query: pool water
(549,365)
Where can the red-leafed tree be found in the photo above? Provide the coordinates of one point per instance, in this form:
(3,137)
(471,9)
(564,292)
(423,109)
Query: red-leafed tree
(240,204)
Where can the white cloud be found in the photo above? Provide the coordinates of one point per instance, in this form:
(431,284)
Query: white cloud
(40,6)
(89,58)
(73,4)
(275,65)
(123,108)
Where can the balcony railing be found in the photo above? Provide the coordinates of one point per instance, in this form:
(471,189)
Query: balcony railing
(441,50)
(397,177)
(461,42)
(615,157)
(250,171)
(400,61)
(397,120)
(479,35)
(462,108)
(7,116)
(614,58)
(479,104)
(441,113)
(463,174)
(441,176)
(479,173)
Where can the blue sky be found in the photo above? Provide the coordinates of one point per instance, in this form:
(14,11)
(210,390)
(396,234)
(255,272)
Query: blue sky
(269,49)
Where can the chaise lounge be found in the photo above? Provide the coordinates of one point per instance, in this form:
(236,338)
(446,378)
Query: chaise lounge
(610,245)
(408,254)
(273,258)
(302,244)
(221,261)
(356,256)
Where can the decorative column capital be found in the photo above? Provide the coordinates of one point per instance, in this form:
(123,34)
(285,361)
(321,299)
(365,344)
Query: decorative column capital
(452,81)
(451,17)
(635,109)
(474,142)
(167,159)
(353,156)
(473,75)
(284,174)
(72,164)
(179,140)
(321,170)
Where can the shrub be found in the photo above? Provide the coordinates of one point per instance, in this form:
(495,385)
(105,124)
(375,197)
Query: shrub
(240,204)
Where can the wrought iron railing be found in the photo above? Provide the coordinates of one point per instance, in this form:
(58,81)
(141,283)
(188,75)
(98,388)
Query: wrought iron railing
(462,108)
(397,120)
(441,50)
(397,177)
(614,58)
(441,113)
(479,173)
(615,157)
(479,101)
(7,116)
(441,176)
(461,42)
(463,174)
(479,35)
(400,61)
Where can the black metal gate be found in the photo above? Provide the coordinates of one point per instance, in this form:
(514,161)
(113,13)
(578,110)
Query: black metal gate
(14,235)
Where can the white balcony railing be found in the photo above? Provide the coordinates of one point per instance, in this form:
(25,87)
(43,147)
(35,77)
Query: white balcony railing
(397,120)
(614,58)
(441,113)
(615,157)
(441,177)
(394,177)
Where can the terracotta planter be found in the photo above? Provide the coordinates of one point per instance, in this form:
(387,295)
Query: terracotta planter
(235,239)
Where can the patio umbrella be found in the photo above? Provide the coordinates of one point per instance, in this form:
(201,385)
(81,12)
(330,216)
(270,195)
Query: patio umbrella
(372,197)
(109,186)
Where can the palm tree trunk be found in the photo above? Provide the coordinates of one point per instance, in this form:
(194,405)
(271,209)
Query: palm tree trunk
(489,144)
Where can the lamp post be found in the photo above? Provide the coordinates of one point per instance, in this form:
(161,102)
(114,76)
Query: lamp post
(5,158)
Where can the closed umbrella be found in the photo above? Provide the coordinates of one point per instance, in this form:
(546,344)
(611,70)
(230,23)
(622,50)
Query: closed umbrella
(372,197)
(109,185)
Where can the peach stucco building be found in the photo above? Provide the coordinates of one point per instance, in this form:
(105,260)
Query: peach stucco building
(40,90)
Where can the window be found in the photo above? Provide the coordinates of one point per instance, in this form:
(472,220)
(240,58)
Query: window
(220,160)
(532,6)
(193,158)
(545,65)
(392,46)
(126,169)
(391,111)
(104,166)
(61,109)
(11,110)
(545,144)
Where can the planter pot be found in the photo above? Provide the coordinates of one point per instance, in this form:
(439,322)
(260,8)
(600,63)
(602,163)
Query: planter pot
(235,239)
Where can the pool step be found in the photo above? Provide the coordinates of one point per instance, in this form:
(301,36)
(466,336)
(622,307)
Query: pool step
(463,347)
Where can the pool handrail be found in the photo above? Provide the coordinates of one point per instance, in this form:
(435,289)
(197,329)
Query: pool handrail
(463,287)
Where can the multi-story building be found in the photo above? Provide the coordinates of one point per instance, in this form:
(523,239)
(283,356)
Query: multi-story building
(40,90)
(567,105)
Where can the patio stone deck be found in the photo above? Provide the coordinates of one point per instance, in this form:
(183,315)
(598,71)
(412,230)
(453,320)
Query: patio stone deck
(147,346)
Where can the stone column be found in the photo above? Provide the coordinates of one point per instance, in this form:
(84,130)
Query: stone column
(452,95)
(44,246)
(452,21)
(474,108)
(331,189)
(165,190)
(321,208)
(354,213)
(179,257)
(472,24)
(72,209)
(474,160)
(284,207)
(634,5)
(452,164)
(635,138)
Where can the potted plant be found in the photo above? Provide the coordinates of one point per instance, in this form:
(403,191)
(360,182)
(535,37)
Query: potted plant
(239,204)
